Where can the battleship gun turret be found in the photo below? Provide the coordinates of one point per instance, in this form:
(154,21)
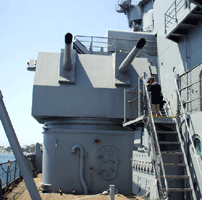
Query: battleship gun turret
(79,98)
(131,56)
(68,52)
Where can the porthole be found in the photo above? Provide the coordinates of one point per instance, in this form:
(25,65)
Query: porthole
(197,144)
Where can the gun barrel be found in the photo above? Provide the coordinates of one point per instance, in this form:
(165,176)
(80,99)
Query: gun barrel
(68,52)
(131,56)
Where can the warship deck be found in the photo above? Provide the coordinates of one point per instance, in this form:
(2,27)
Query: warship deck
(21,193)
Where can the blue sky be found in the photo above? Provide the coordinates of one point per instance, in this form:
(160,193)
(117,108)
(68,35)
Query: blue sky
(29,27)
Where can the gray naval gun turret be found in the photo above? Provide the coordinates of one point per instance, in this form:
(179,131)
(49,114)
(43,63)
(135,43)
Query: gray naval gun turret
(78,95)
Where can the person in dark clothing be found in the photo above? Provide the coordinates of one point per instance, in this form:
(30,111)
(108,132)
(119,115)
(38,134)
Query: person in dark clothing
(156,96)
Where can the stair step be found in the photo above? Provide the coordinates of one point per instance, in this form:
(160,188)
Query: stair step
(175,164)
(167,132)
(176,177)
(169,142)
(170,153)
(178,189)
(164,121)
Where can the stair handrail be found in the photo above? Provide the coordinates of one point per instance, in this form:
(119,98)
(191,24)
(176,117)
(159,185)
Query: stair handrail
(184,115)
(185,120)
(159,160)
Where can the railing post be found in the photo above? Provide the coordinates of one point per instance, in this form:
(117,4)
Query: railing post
(20,175)
(165,23)
(188,3)
(1,197)
(112,191)
(14,173)
(7,175)
(178,103)
(125,105)
(139,98)
(115,44)
(175,11)
(91,45)
(150,101)
(144,95)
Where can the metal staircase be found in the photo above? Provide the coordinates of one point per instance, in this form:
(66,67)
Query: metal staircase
(176,168)
(169,158)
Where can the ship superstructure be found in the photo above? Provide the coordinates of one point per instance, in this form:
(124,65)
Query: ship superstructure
(93,101)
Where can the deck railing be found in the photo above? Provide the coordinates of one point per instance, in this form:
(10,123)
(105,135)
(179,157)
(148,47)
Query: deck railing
(174,11)
(190,89)
(183,112)
(107,44)
(135,104)
(10,174)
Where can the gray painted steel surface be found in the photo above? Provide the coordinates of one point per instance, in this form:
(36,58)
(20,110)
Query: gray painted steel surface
(87,111)
(104,161)
(86,105)
(124,67)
